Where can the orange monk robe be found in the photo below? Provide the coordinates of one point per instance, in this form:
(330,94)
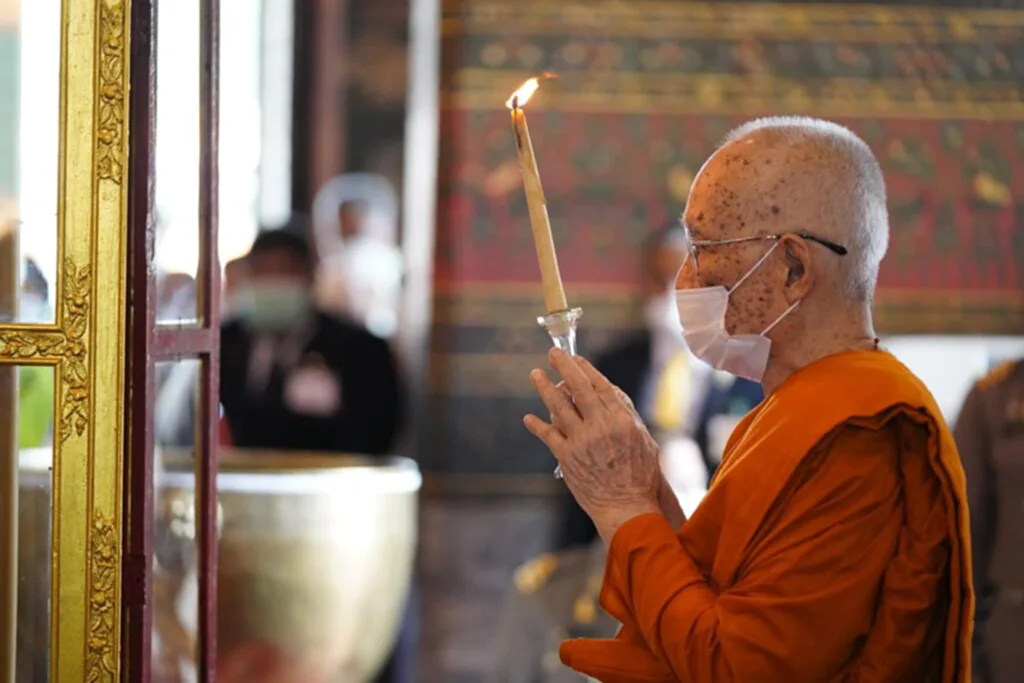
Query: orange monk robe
(832,546)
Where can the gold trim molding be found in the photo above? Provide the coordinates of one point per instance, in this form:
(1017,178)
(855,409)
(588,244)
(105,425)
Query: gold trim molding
(74,414)
(64,347)
(723,94)
(513,307)
(31,346)
(86,346)
(501,43)
(670,19)
(111,131)
(103,603)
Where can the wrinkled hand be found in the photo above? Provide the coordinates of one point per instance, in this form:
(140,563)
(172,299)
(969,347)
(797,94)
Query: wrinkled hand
(667,501)
(608,458)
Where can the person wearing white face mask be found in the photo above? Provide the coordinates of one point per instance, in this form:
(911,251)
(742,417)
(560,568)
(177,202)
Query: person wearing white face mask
(295,378)
(833,543)
(679,398)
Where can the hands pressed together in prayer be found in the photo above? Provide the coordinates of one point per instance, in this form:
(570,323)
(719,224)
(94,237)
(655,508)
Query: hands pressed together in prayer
(608,458)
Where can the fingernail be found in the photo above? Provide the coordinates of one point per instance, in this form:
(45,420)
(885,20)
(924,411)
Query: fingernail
(555,352)
(536,375)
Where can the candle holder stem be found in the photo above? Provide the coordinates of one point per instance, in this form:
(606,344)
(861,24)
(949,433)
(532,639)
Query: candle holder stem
(561,327)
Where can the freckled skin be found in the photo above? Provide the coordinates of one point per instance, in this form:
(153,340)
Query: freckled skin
(725,203)
(760,185)
(769,183)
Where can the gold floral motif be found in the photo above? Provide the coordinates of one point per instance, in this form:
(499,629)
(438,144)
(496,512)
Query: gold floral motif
(30,344)
(67,345)
(110,129)
(101,652)
(74,375)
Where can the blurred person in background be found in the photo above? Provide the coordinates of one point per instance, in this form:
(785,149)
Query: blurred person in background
(989,434)
(231,308)
(292,378)
(232,288)
(556,596)
(296,378)
(678,396)
(35,382)
(34,306)
(355,223)
(175,407)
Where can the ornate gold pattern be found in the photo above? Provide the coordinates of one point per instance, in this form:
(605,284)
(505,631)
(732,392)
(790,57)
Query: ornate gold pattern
(110,127)
(683,93)
(613,58)
(66,345)
(101,656)
(22,345)
(674,21)
(74,378)
(86,346)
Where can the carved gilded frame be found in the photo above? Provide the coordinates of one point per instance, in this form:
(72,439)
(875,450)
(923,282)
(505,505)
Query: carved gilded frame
(86,345)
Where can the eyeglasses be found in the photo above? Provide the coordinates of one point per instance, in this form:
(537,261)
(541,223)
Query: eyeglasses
(693,245)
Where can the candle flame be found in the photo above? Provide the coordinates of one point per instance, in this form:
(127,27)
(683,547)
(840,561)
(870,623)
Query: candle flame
(523,95)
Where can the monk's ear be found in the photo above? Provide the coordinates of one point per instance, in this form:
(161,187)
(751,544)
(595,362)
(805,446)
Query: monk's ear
(799,278)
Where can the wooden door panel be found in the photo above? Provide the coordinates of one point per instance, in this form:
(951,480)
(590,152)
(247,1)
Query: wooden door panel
(151,341)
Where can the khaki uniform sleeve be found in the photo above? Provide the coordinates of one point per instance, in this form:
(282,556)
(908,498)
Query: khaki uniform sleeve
(974,442)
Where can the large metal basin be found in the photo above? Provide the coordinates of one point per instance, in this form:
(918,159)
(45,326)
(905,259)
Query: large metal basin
(315,560)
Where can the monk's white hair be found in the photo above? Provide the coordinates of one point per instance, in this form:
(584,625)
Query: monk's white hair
(849,193)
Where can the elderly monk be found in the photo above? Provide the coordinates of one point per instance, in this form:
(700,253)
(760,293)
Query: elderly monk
(833,543)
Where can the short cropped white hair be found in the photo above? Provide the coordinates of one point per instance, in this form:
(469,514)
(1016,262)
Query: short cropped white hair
(850,194)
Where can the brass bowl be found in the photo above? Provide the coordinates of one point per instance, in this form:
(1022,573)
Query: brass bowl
(315,561)
(315,553)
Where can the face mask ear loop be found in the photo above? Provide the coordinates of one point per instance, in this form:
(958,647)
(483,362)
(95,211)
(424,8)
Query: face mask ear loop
(779,319)
(754,267)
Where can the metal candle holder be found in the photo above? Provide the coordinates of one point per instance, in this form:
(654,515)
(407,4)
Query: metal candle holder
(561,327)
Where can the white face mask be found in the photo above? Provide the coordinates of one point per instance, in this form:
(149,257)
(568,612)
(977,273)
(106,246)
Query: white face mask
(702,314)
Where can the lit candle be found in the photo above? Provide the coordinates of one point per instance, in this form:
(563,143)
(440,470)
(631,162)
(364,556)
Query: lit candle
(551,279)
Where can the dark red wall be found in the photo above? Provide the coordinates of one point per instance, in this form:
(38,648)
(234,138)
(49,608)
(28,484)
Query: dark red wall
(644,93)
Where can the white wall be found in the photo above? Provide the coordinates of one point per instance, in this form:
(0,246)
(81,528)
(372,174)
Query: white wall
(949,365)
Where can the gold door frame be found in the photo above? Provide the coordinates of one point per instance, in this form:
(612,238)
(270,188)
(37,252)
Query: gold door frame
(87,344)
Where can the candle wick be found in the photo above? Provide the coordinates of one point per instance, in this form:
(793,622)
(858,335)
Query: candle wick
(515,101)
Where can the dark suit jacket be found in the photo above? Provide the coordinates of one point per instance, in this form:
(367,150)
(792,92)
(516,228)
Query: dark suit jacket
(627,366)
(371,411)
